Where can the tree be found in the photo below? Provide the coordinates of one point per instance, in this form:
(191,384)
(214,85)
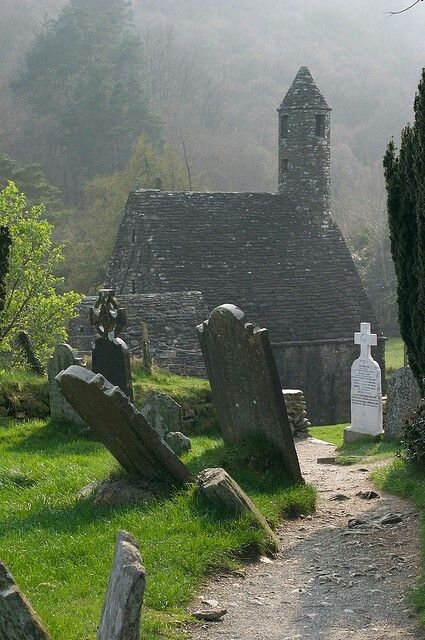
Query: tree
(85,70)
(405,182)
(5,242)
(32,301)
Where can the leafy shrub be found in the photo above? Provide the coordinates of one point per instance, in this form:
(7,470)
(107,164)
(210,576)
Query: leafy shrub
(413,437)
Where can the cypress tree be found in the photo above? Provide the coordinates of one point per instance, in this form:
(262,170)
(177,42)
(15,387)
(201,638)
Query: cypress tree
(405,183)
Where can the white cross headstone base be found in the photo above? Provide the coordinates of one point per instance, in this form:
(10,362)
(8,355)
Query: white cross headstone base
(366,389)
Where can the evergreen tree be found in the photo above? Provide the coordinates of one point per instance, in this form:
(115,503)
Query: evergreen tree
(5,242)
(405,182)
(85,72)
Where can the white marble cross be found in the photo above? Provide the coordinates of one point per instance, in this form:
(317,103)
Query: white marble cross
(366,340)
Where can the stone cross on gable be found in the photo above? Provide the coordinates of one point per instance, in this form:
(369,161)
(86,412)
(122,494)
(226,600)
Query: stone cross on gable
(366,340)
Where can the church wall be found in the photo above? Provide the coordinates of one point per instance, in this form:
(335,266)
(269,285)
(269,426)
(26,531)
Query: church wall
(322,370)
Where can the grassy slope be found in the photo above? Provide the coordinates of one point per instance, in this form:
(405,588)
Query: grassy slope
(60,548)
(394,354)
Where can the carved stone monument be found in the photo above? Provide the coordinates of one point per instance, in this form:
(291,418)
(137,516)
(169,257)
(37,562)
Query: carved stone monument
(403,398)
(108,412)
(366,390)
(110,355)
(246,390)
(60,409)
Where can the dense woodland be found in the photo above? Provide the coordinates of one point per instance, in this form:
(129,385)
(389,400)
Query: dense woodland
(98,96)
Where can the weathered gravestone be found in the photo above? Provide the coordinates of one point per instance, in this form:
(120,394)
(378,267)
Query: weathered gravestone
(366,390)
(60,409)
(110,355)
(18,620)
(124,597)
(245,385)
(162,412)
(108,412)
(403,398)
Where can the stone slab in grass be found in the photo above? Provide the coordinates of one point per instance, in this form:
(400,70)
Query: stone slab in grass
(403,398)
(124,597)
(220,489)
(18,620)
(116,422)
(60,409)
(245,384)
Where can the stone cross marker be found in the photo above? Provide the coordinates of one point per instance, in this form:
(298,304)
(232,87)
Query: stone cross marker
(110,355)
(366,391)
(60,409)
(245,384)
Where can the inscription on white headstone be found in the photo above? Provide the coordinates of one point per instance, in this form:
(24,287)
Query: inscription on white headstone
(366,391)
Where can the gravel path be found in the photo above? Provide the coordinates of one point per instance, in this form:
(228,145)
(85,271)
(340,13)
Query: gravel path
(328,580)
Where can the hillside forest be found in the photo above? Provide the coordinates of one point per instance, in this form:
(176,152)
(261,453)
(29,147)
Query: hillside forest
(100,96)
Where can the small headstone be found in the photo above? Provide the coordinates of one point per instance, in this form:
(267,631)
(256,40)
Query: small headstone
(145,349)
(108,412)
(18,620)
(162,412)
(124,597)
(110,355)
(403,398)
(245,385)
(178,442)
(366,390)
(62,358)
(220,489)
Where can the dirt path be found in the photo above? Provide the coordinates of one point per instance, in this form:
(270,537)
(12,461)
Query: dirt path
(328,580)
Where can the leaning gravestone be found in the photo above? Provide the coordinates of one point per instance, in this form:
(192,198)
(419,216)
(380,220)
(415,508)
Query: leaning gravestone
(403,398)
(366,391)
(60,409)
(163,413)
(110,355)
(245,385)
(18,620)
(108,412)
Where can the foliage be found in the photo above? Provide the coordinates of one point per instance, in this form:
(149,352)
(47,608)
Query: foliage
(24,393)
(405,179)
(66,543)
(85,72)
(32,302)
(413,437)
(149,167)
(5,242)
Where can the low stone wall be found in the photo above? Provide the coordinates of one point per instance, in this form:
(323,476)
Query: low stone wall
(322,369)
(296,408)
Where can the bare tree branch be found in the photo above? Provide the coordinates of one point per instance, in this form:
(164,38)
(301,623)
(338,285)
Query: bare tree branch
(395,13)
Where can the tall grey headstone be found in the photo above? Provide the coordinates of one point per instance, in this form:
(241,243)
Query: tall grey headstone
(108,412)
(403,398)
(366,389)
(245,385)
(60,409)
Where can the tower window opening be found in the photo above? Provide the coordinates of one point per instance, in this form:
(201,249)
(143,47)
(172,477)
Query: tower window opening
(285,165)
(320,125)
(284,126)
(134,236)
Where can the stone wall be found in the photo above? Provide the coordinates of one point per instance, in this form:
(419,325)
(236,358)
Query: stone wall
(322,369)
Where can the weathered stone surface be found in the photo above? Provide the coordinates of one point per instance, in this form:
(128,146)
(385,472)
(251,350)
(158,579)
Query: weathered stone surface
(123,492)
(403,397)
(18,620)
(112,360)
(178,442)
(122,429)
(146,361)
(60,409)
(296,408)
(245,385)
(220,489)
(124,598)
(162,412)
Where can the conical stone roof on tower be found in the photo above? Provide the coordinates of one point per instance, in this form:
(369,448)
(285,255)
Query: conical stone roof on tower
(303,93)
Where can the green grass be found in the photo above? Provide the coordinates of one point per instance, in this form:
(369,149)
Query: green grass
(59,548)
(394,354)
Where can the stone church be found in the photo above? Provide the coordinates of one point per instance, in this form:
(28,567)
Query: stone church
(278,256)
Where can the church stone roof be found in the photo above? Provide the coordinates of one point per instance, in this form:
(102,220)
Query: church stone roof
(288,268)
(303,93)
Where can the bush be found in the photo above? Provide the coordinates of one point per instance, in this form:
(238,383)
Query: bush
(413,437)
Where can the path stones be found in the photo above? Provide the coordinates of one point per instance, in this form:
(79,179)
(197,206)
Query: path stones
(122,429)
(18,620)
(403,398)
(163,413)
(220,489)
(124,598)
(245,385)
(60,409)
